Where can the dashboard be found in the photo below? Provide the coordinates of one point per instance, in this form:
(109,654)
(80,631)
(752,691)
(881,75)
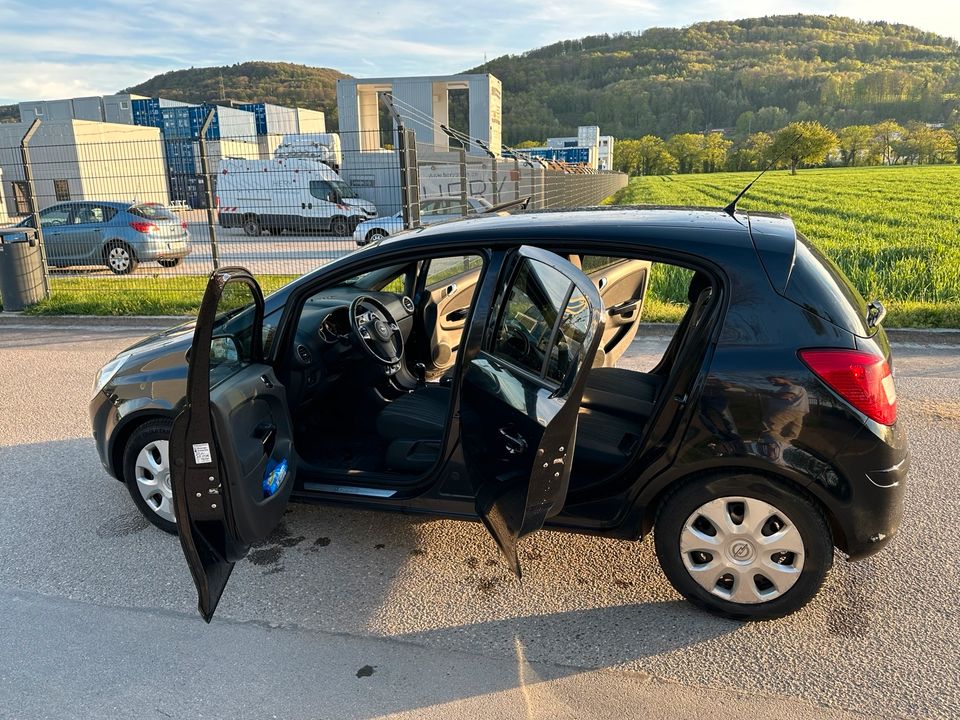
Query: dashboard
(323,349)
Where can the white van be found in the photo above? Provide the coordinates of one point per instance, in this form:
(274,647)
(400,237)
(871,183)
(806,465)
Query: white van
(295,194)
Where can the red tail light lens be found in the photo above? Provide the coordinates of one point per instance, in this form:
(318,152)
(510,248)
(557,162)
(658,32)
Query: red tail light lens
(862,379)
(142,226)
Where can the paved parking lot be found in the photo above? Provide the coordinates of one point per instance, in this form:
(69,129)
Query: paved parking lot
(350,613)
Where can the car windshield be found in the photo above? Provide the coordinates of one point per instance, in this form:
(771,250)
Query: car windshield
(152,211)
(343,188)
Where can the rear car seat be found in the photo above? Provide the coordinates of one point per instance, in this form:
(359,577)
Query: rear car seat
(617,403)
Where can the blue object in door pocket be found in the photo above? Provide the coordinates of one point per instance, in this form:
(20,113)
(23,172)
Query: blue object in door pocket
(276,472)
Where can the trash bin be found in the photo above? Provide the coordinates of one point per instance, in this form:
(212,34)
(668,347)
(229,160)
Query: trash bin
(21,269)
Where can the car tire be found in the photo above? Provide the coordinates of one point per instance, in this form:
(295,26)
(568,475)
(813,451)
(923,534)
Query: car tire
(340,226)
(376,234)
(120,257)
(770,564)
(146,473)
(251,226)
(170,262)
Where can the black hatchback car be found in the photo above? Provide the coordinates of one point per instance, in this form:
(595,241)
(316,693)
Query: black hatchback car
(474,371)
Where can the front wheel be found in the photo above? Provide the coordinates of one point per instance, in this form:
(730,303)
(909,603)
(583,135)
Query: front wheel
(742,547)
(340,226)
(169,262)
(376,235)
(146,472)
(121,259)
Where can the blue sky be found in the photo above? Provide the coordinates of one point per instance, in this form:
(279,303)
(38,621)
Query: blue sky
(55,48)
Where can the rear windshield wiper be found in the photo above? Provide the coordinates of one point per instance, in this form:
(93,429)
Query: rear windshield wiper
(876,312)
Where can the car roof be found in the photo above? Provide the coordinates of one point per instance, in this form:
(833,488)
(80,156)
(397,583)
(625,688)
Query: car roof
(106,203)
(613,223)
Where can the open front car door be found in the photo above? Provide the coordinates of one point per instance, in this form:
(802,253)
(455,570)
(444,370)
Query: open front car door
(521,393)
(231,449)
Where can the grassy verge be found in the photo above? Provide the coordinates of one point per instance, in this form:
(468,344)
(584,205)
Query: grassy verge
(129,296)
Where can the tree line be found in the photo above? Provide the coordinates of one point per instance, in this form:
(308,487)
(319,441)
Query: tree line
(754,75)
(796,145)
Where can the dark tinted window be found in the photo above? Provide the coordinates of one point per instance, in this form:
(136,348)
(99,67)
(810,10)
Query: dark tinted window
(568,348)
(589,263)
(152,211)
(818,285)
(525,328)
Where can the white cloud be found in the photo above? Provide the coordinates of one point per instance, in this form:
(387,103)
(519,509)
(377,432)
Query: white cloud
(52,48)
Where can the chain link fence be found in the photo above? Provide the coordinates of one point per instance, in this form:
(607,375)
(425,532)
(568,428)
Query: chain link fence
(129,212)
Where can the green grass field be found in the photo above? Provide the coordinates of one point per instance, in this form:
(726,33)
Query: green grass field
(894,231)
(133,296)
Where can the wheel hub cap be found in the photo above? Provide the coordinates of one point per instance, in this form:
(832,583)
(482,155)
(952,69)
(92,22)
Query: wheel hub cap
(742,550)
(152,473)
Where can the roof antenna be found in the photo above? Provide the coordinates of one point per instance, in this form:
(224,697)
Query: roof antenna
(731,209)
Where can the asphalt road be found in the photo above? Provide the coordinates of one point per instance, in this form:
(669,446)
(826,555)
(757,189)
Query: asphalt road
(346,613)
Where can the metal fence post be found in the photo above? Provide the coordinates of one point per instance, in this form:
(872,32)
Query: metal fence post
(208,189)
(516,170)
(409,177)
(494,180)
(32,198)
(463,182)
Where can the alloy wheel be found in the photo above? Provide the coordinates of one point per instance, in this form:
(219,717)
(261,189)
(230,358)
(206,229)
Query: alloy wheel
(742,549)
(152,473)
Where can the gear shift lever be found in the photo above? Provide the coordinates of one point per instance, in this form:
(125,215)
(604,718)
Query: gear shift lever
(420,370)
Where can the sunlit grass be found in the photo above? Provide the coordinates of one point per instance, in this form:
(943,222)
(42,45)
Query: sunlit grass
(894,231)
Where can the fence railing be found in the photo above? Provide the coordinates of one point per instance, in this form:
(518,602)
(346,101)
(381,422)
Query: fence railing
(151,208)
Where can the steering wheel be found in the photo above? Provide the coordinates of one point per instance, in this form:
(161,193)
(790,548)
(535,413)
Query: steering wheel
(377,331)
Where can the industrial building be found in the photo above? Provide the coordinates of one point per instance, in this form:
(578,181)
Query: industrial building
(423,104)
(242,130)
(83,160)
(588,147)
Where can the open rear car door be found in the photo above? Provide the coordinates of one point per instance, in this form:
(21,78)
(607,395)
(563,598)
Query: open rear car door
(521,393)
(231,448)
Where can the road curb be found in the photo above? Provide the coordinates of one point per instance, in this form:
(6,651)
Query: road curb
(146,322)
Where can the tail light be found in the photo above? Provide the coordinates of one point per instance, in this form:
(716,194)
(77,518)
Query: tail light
(142,226)
(184,224)
(862,379)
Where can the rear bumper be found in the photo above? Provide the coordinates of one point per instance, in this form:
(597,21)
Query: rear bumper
(869,506)
(162,249)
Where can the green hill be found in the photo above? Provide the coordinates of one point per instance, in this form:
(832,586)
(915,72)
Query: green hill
(747,75)
(756,74)
(272,82)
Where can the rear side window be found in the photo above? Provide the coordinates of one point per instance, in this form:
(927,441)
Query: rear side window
(818,285)
(152,211)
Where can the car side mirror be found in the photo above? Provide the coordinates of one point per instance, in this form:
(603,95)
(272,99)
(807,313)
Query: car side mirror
(223,350)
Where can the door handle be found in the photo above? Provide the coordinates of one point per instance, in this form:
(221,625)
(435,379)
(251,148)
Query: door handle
(625,308)
(513,441)
(457,315)
(266,433)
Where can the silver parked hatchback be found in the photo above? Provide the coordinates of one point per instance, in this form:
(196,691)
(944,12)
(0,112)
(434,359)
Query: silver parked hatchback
(119,235)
